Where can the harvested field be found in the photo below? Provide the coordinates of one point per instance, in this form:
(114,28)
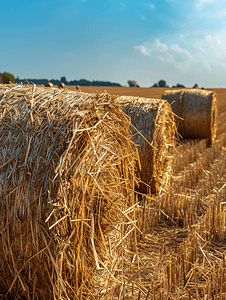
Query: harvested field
(177,250)
(146,92)
(181,253)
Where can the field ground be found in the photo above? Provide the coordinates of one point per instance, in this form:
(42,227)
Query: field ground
(143,92)
(181,251)
(181,254)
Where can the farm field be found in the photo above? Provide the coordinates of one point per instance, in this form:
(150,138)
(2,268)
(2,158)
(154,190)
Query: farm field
(181,253)
(177,248)
(144,92)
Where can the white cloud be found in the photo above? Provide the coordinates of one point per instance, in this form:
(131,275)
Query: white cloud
(143,50)
(160,46)
(179,57)
(149,5)
(195,51)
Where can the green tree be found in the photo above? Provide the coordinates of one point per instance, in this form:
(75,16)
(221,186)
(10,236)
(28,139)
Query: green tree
(8,77)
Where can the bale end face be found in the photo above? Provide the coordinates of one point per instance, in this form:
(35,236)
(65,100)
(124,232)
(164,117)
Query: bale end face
(197,111)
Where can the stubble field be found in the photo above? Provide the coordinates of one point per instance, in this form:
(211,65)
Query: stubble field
(179,250)
(181,253)
(145,92)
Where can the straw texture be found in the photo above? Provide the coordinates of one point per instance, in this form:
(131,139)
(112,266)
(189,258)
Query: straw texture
(67,165)
(198,109)
(154,120)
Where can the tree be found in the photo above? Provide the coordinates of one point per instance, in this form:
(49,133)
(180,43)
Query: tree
(162,83)
(132,83)
(8,77)
(63,79)
(180,85)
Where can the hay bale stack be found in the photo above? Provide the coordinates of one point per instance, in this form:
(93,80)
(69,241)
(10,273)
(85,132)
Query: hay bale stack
(61,85)
(66,174)
(48,84)
(197,110)
(154,119)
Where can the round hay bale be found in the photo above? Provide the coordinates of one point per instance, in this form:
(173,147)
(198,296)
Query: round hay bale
(66,173)
(154,120)
(61,85)
(197,111)
(48,84)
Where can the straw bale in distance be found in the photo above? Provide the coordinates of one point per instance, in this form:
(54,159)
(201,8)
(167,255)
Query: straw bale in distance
(154,119)
(61,85)
(197,110)
(49,84)
(66,174)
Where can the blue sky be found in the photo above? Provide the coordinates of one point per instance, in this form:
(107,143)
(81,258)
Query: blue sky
(178,41)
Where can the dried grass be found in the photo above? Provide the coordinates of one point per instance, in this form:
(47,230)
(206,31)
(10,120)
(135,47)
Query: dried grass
(182,255)
(197,110)
(154,120)
(67,164)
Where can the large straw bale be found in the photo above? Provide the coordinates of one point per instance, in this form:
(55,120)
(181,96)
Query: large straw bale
(66,179)
(197,110)
(154,120)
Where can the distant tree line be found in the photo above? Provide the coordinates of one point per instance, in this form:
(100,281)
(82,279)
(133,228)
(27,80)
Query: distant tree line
(64,80)
(161,83)
(132,83)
